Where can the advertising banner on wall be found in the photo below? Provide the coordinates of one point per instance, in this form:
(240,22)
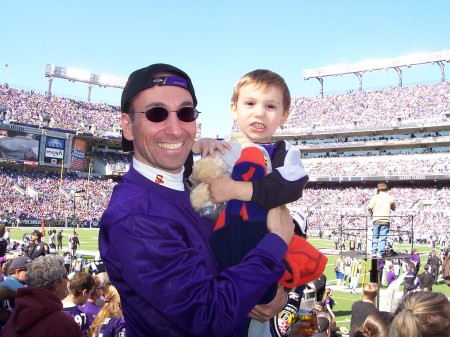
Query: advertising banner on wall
(79,148)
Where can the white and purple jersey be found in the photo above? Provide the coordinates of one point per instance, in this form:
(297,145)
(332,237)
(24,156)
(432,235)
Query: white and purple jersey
(80,318)
(112,327)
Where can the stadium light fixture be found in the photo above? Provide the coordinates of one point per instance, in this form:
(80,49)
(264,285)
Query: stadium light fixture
(78,75)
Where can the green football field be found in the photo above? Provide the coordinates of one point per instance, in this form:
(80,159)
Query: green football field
(343,297)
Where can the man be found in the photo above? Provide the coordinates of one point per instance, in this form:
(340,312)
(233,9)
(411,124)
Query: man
(59,238)
(446,271)
(434,263)
(362,309)
(38,307)
(155,246)
(17,273)
(90,308)
(391,275)
(74,242)
(80,287)
(36,246)
(354,274)
(415,260)
(319,286)
(380,208)
(410,278)
(426,279)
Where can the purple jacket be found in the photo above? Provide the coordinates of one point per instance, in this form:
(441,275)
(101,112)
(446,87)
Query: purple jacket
(157,254)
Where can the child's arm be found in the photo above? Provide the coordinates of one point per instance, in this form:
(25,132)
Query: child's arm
(207,146)
(224,189)
(284,185)
(287,180)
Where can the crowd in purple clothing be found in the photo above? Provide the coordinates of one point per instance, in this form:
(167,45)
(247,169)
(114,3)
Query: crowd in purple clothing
(42,199)
(429,207)
(40,194)
(371,108)
(65,113)
(412,164)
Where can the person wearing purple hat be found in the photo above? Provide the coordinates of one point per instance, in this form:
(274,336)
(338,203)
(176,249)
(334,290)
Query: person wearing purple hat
(155,246)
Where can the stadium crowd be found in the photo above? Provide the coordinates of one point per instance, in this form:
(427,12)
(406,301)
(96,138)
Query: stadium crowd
(368,108)
(42,194)
(37,194)
(371,108)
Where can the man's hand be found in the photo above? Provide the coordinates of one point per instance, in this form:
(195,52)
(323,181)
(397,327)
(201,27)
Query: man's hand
(264,312)
(279,221)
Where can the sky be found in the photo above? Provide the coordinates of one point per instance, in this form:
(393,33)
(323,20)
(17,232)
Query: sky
(216,42)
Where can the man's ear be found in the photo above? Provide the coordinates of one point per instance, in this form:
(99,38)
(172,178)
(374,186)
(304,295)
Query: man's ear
(127,131)
(233,108)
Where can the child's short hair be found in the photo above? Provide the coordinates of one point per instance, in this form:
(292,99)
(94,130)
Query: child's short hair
(263,78)
(81,281)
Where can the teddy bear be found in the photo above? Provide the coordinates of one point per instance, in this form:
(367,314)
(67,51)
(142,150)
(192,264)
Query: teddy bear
(209,167)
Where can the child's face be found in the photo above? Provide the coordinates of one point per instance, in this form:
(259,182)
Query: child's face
(259,112)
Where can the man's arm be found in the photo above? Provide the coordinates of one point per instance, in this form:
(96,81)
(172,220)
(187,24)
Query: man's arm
(172,279)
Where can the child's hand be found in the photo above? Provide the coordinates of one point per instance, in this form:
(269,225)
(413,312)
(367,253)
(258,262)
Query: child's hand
(224,188)
(208,146)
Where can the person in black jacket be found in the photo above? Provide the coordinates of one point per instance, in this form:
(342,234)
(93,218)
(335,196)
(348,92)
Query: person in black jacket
(36,247)
(426,279)
(410,279)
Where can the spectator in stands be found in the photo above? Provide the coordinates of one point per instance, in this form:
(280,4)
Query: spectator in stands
(375,325)
(319,285)
(380,209)
(80,287)
(422,314)
(38,306)
(17,273)
(109,321)
(328,303)
(162,139)
(90,308)
(362,309)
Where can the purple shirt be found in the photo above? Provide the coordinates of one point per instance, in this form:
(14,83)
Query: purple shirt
(156,251)
(112,327)
(391,277)
(90,309)
(80,318)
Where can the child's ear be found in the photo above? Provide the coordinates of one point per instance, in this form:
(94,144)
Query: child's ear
(284,118)
(233,108)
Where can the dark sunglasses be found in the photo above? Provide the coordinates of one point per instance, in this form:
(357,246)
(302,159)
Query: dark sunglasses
(159,114)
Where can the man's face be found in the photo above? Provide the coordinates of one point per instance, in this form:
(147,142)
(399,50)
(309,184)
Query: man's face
(21,274)
(163,145)
(62,289)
